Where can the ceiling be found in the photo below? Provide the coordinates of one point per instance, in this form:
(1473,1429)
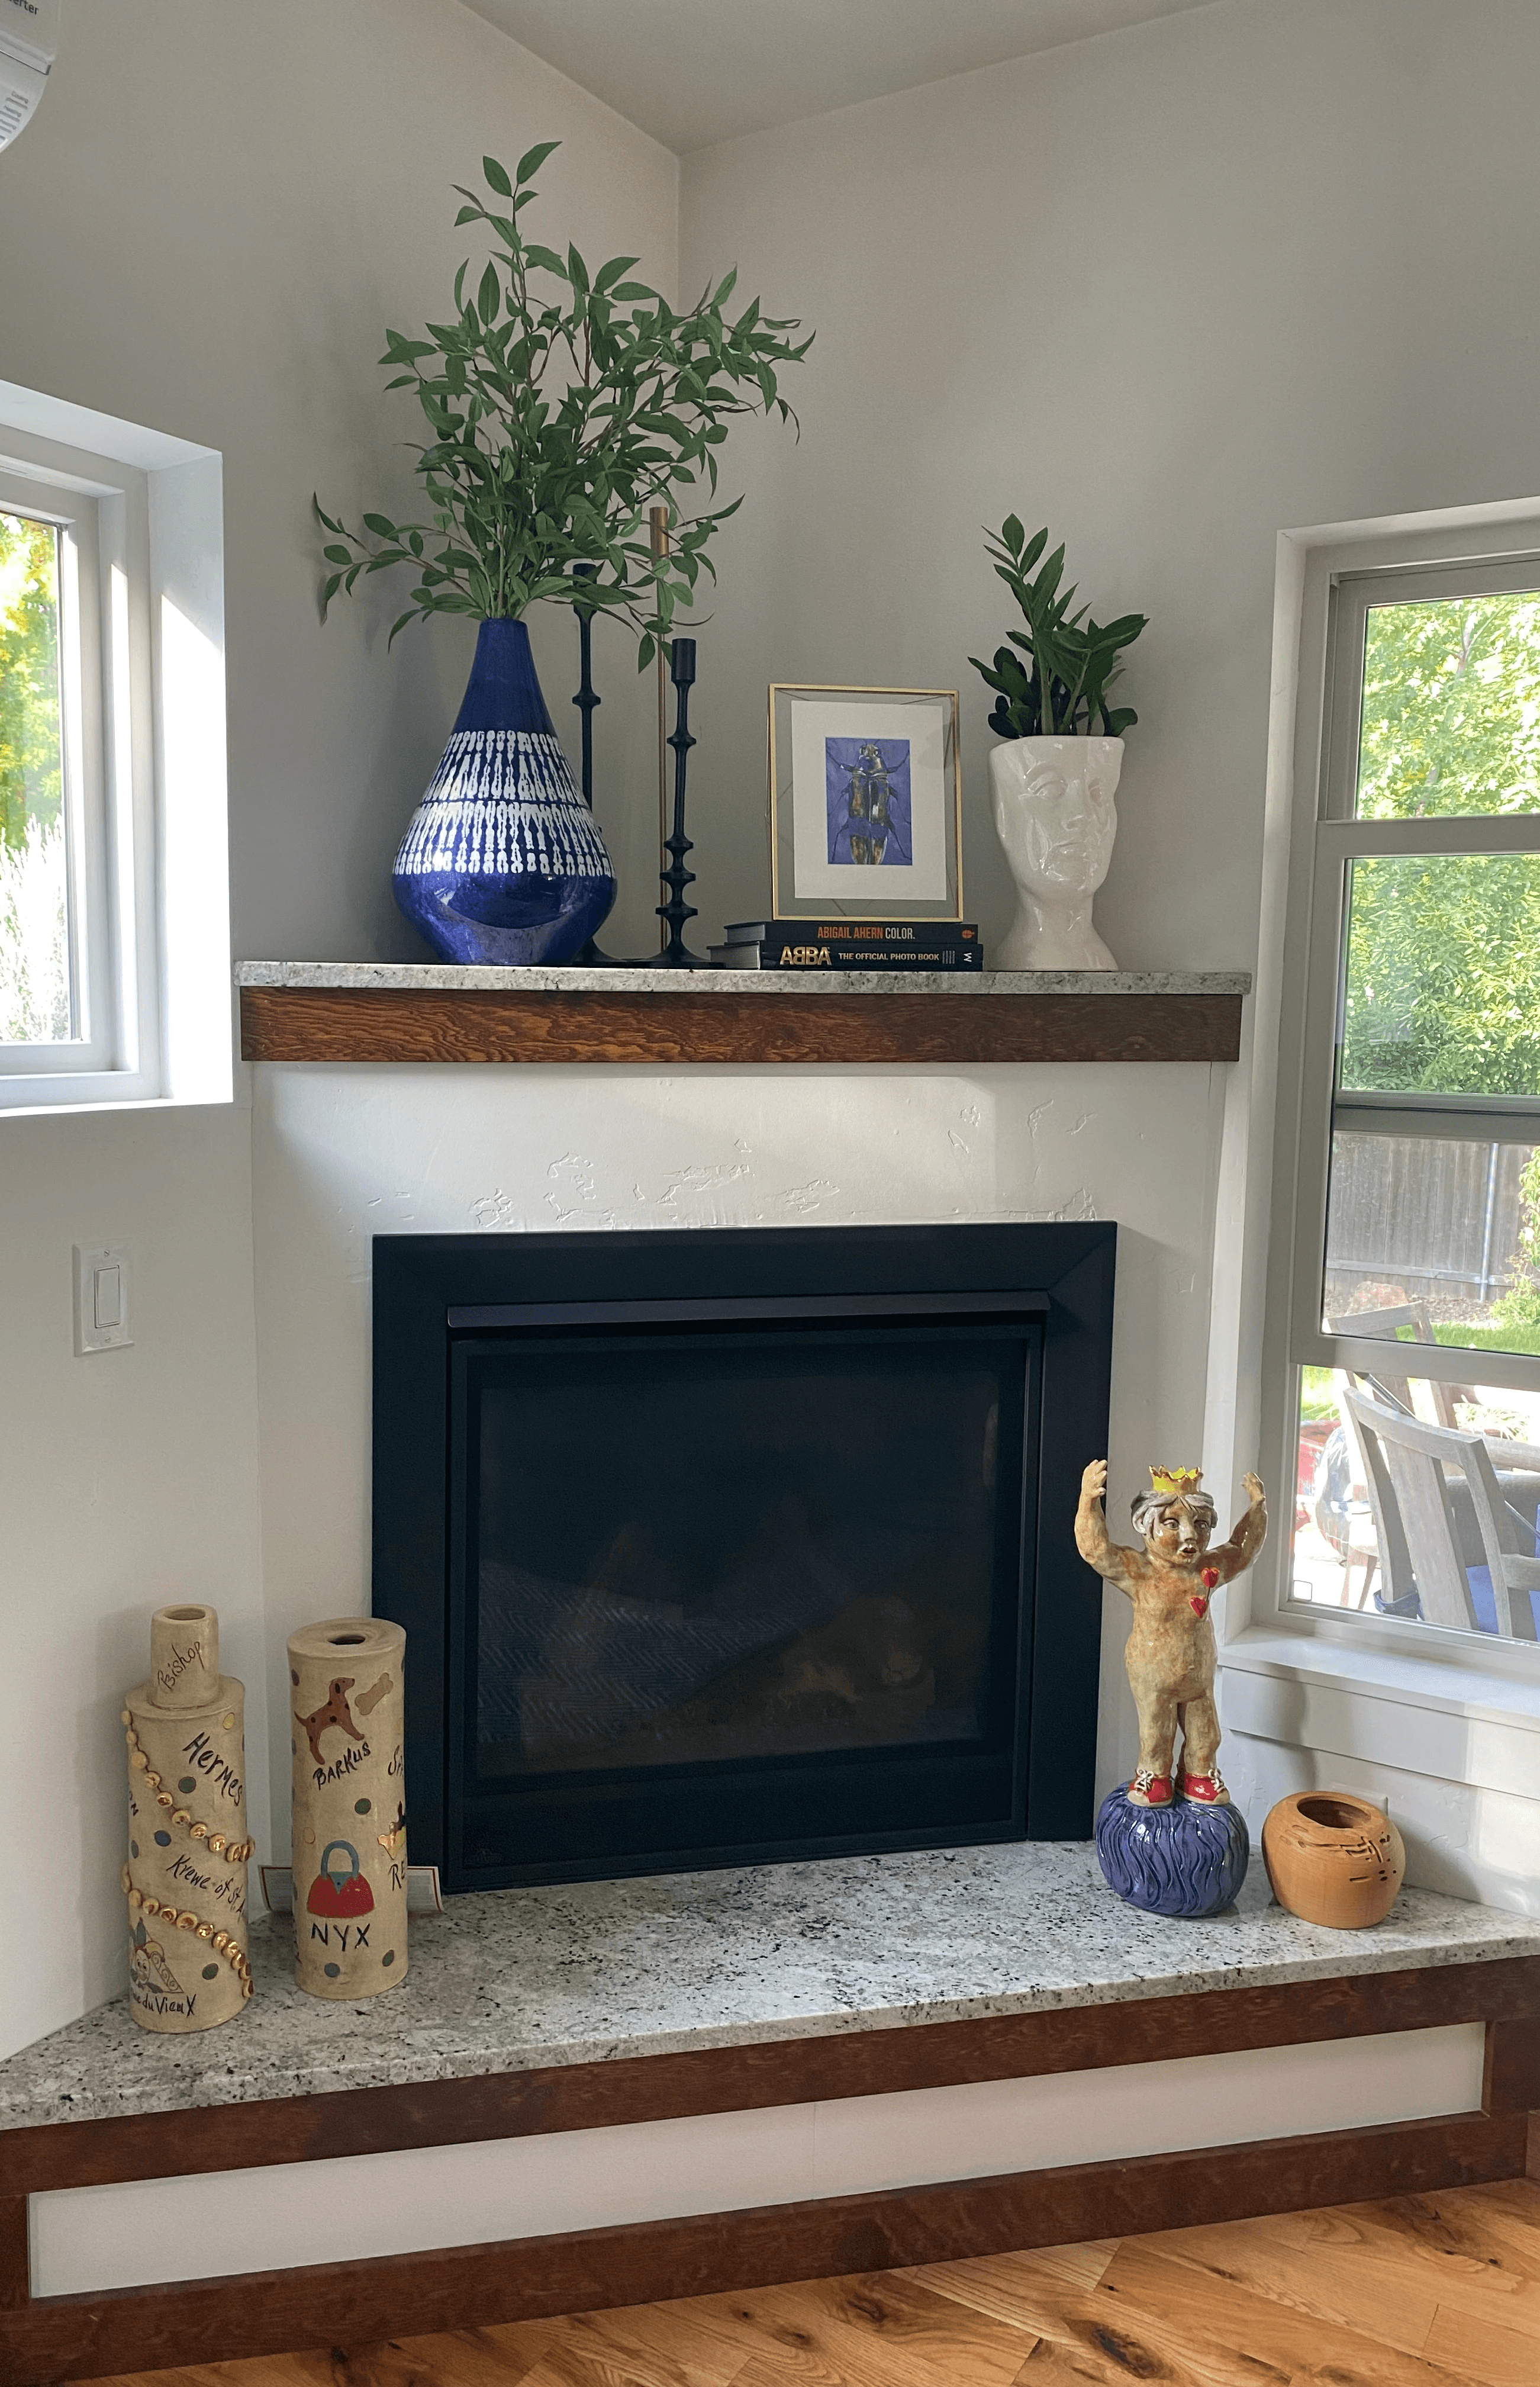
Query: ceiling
(692,73)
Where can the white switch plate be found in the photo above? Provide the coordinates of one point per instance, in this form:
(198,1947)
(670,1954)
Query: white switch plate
(103,1319)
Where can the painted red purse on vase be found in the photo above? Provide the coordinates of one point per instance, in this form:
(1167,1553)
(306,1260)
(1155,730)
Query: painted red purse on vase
(339,1896)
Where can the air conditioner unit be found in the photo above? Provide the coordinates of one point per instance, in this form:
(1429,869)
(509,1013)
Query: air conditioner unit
(29,44)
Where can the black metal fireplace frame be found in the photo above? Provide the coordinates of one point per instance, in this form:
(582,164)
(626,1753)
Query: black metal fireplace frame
(432,1291)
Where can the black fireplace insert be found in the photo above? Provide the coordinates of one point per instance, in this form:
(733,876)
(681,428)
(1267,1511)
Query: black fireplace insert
(721,1546)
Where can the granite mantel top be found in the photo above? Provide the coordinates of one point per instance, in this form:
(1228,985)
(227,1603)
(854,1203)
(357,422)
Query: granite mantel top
(590,1972)
(406,978)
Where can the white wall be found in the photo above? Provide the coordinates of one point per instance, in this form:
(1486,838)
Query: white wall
(126,1482)
(1171,291)
(206,229)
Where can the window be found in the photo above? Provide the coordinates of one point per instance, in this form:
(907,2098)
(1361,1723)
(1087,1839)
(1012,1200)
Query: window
(55,1008)
(1411,1404)
(114,927)
(36,995)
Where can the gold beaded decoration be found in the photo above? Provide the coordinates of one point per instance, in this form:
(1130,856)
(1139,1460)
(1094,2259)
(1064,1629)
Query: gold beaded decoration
(234,1955)
(233,1851)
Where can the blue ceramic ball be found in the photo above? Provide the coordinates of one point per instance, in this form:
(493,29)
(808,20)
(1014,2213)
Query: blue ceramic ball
(1186,1859)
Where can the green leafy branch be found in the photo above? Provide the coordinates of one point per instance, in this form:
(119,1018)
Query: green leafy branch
(562,406)
(1071,660)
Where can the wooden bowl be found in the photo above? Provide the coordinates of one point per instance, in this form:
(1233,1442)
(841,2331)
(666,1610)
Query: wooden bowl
(1332,1858)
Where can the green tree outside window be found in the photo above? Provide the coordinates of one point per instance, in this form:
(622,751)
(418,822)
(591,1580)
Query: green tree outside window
(35,951)
(30,777)
(1443,992)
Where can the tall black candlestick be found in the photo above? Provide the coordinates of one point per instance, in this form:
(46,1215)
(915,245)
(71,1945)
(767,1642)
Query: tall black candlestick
(676,912)
(585,700)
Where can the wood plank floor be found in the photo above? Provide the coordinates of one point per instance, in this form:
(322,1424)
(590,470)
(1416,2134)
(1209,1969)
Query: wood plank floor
(1425,2292)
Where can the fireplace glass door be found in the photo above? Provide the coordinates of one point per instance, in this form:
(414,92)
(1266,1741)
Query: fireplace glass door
(753,1587)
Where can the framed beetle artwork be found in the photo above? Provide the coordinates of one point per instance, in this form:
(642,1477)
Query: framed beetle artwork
(865,804)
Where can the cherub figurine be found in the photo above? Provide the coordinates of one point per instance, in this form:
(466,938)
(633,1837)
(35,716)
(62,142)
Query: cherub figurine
(1171,1654)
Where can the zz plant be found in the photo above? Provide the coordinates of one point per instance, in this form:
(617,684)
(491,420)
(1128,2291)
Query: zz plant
(1060,690)
(561,405)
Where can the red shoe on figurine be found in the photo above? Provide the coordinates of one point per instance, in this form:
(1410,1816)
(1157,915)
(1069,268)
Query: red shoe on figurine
(1149,1789)
(1208,1789)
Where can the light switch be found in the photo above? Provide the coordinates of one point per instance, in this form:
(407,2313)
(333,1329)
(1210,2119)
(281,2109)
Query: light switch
(101,1299)
(108,1283)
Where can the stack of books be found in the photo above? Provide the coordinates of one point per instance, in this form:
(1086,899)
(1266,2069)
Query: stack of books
(849,945)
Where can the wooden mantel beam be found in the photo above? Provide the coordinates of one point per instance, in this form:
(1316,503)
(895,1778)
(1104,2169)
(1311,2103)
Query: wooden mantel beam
(683,1025)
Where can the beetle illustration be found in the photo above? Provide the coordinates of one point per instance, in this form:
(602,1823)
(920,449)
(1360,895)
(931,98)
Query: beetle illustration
(866,821)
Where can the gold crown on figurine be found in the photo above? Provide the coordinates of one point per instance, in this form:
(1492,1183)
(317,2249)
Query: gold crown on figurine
(1174,1481)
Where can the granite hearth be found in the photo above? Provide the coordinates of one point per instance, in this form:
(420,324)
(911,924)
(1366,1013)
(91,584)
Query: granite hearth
(589,1973)
(604,2092)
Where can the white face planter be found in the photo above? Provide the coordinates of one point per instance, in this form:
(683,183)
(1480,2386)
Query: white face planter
(1057,819)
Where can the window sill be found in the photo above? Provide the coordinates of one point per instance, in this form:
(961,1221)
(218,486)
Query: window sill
(1455,1721)
(106,1105)
(51,1094)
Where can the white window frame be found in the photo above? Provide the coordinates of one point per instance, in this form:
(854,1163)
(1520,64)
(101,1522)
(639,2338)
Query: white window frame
(1334,581)
(142,653)
(104,676)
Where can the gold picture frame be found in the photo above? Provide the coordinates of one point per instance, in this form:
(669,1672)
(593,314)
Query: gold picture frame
(818,869)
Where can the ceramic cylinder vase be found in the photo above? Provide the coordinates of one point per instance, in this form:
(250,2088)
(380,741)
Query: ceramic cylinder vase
(185,1877)
(349,1807)
(502,861)
(1057,819)
(1332,1858)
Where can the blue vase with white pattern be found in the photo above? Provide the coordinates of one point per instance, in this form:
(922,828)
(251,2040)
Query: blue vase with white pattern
(502,861)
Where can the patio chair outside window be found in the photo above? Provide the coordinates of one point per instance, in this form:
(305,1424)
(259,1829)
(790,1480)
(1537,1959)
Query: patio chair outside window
(1414,1520)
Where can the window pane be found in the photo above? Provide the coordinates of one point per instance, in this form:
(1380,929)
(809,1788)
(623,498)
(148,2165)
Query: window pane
(34,925)
(1442,980)
(1451,708)
(1435,1526)
(1448,1232)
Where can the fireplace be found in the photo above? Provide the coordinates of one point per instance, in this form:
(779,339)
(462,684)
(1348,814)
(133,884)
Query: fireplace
(740,1546)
